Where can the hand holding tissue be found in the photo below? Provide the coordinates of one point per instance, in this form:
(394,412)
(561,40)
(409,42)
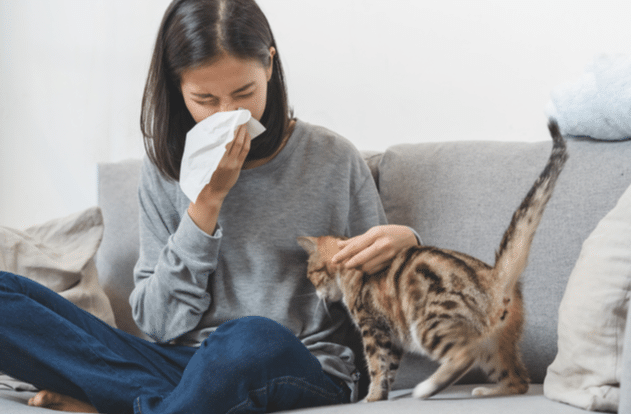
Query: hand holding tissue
(206,144)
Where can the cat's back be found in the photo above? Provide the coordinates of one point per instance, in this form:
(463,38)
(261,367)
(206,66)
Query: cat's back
(442,271)
(428,286)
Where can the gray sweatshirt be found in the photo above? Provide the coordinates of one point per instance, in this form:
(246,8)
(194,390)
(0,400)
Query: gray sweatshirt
(188,282)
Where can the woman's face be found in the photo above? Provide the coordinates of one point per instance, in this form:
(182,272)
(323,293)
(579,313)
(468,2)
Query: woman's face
(227,84)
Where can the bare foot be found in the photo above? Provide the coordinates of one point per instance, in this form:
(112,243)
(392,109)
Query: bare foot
(54,401)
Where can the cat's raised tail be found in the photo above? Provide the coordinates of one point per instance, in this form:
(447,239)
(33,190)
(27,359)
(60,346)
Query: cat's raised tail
(512,255)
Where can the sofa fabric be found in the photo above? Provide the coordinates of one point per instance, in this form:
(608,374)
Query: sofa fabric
(457,195)
(118,199)
(462,195)
(456,399)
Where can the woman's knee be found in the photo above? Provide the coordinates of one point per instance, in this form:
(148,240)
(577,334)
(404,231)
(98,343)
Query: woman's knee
(265,328)
(262,342)
(10,282)
(14,284)
(254,329)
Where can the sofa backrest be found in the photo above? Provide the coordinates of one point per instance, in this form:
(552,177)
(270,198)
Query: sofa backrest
(461,196)
(117,255)
(457,195)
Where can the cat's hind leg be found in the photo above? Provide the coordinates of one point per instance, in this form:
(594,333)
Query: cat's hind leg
(450,370)
(503,363)
(509,372)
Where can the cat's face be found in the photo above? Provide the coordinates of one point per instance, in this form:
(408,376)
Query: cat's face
(320,271)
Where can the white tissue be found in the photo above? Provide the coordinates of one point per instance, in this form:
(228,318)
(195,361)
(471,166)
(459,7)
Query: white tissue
(206,144)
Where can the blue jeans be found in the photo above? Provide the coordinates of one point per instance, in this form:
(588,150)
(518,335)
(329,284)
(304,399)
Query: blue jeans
(248,365)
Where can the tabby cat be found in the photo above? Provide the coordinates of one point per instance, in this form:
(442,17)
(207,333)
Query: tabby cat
(440,303)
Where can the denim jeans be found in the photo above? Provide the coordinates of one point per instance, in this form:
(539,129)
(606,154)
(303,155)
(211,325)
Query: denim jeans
(248,365)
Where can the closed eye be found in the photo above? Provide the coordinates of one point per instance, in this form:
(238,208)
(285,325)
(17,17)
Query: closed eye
(206,100)
(214,101)
(322,269)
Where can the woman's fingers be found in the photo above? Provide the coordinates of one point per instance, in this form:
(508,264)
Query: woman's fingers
(373,250)
(245,148)
(352,247)
(376,264)
(373,256)
(235,147)
(205,210)
(229,168)
(236,150)
(365,251)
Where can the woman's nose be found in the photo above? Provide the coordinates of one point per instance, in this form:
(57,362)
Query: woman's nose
(228,106)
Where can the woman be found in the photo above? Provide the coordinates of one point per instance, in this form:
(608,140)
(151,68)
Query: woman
(220,281)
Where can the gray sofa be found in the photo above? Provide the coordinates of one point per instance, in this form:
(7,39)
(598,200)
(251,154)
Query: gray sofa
(457,195)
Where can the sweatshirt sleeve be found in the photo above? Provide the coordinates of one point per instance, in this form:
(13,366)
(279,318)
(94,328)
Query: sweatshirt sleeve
(366,209)
(175,261)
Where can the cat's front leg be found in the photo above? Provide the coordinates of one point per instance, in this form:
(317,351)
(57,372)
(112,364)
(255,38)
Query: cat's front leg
(382,359)
(396,357)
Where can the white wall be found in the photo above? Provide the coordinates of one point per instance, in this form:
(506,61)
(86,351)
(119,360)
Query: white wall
(379,72)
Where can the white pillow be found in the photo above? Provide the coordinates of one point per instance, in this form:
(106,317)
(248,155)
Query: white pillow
(59,255)
(587,369)
(596,105)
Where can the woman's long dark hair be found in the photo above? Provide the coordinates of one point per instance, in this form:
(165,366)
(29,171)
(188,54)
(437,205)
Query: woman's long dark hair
(194,33)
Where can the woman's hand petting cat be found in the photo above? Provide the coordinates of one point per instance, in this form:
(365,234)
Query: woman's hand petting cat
(372,250)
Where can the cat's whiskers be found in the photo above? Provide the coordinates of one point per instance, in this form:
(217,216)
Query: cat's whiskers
(302,295)
(324,304)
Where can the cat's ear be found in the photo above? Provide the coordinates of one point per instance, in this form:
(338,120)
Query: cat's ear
(308,243)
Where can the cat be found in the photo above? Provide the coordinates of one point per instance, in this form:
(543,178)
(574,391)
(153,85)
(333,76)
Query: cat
(446,305)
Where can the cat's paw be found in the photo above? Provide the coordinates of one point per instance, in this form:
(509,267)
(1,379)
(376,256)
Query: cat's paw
(482,391)
(499,390)
(424,390)
(370,400)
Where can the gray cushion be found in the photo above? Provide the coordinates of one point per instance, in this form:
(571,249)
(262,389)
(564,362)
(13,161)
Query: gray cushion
(461,196)
(456,399)
(372,159)
(118,199)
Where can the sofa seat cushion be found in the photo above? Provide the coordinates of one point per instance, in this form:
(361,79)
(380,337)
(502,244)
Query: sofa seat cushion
(456,399)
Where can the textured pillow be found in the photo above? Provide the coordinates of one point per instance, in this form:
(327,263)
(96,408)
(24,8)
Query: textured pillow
(588,367)
(59,255)
(597,105)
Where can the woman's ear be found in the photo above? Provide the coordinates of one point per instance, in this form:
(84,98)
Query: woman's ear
(271,67)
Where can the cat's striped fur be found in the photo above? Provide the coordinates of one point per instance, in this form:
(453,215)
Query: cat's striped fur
(444,304)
